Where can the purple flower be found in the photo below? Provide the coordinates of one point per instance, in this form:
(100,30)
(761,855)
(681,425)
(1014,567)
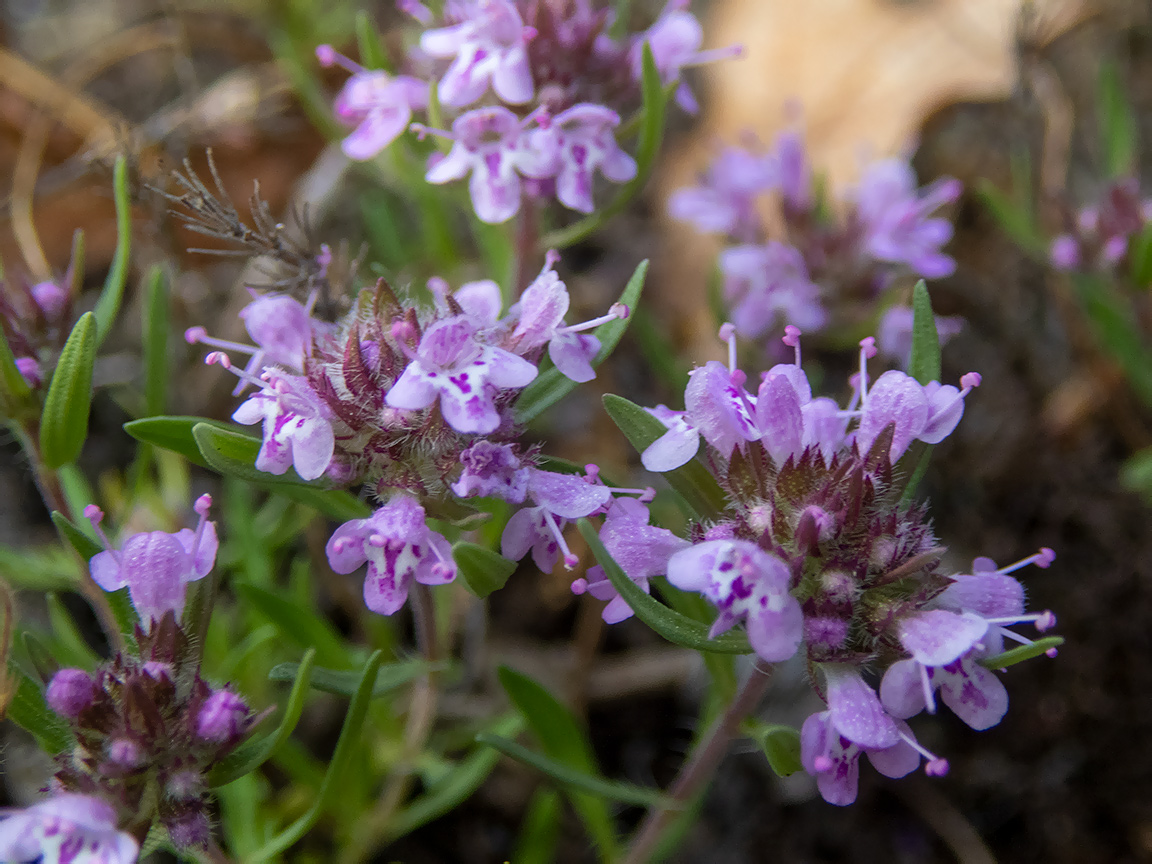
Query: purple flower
(399,548)
(70,691)
(895,218)
(489,143)
(675,40)
(835,760)
(585,142)
(1065,253)
(676,446)
(282,327)
(489,46)
(724,201)
(380,107)
(558,497)
(641,550)
(746,584)
(855,709)
(50,298)
(223,718)
(29,369)
(66,829)
(156,565)
(719,408)
(767,286)
(893,399)
(793,173)
(492,470)
(450,365)
(297,428)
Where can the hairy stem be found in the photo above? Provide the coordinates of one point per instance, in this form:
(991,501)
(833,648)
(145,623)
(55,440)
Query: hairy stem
(697,771)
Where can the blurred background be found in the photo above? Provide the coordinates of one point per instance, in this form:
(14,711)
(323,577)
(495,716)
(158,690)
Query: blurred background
(957,85)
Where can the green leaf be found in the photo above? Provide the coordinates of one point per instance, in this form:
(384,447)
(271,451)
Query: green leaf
(455,787)
(1021,653)
(108,306)
(1140,258)
(1114,321)
(609,790)
(539,829)
(924,364)
(234,454)
(372,52)
(14,390)
(1136,473)
(64,422)
(484,571)
(781,744)
(85,546)
(550,386)
(698,488)
(676,628)
(330,787)
(28,710)
(566,741)
(651,134)
(173,432)
(390,677)
(252,754)
(156,327)
(1118,129)
(302,626)
(72,649)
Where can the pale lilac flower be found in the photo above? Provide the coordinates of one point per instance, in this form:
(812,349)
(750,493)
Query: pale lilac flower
(676,446)
(297,426)
(896,399)
(450,365)
(835,760)
(719,408)
(282,328)
(70,691)
(896,218)
(894,332)
(585,143)
(724,202)
(50,298)
(793,172)
(489,143)
(156,565)
(1065,253)
(675,40)
(490,47)
(641,550)
(746,584)
(492,470)
(29,369)
(540,320)
(66,829)
(558,498)
(856,710)
(223,718)
(768,285)
(399,549)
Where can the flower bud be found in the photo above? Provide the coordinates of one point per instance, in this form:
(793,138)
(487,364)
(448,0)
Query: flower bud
(124,754)
(222,717)
(188,829)
(184,786)
(70,691)
(50,298)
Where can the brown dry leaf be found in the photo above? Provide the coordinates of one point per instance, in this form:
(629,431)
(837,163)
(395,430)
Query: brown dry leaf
(862,73)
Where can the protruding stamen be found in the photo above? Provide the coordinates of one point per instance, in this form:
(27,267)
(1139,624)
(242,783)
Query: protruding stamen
(415,9)
(728,334)
(570,560)
(970,380)
(329,56)
(579,586)
(713,55)
(95,515)
(1045,621)
(936,767)
(1042,559)
(219,358)
(617,312)
(203,503)
(867,352)
(792,339)
(926,683)
(198,335)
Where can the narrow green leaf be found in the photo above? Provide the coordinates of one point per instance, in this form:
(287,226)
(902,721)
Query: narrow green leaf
(108,306)
(1114,321)
(252,754)
(1021,653)
(391,677)
(539,829)
(173,432)
(234,454)
(156,327)
(64,422)
(566,741)
(1140,259)
(14,390)
(924,364)
(651,134)
(28,710)
(550,386)
(484,571)
(698,488)
(676,628)
(455,787)
(372,53)
(73,650)
(337,766)
(781,744)
(608,790)
(40,656)
(1118,128)
(302,626)
(84,544)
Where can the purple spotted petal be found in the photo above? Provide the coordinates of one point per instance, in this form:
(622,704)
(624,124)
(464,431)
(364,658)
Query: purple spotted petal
(856,710)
